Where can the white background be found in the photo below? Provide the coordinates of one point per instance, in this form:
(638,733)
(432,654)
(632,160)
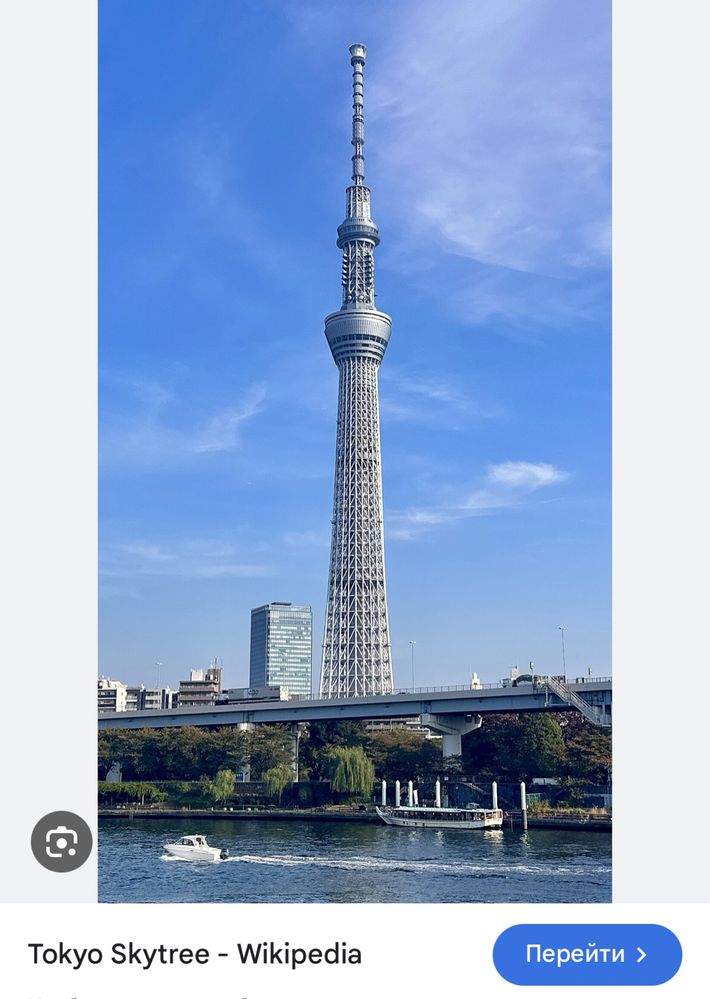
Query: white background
(661,505)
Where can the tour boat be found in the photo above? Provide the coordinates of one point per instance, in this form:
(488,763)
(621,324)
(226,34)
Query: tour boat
(420,816)
(195,848)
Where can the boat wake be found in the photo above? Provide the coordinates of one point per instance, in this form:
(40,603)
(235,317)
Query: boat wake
(408,866)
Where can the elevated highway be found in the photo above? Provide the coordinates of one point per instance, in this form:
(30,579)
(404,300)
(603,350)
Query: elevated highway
(451,711)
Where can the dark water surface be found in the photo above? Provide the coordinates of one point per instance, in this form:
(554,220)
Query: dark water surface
(351,862)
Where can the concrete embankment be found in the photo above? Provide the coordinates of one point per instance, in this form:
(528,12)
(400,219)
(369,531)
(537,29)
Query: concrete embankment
(281,815)
(579,820)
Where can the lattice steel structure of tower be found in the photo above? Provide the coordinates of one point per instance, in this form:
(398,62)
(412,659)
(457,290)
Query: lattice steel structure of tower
(357,657)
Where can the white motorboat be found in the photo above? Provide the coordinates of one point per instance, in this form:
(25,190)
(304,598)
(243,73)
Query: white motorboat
(195,847)
(419,816)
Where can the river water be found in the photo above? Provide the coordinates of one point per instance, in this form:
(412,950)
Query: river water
(351,862)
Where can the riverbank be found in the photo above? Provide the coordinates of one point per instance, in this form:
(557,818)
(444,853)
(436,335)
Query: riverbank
(581,820)
(229,814)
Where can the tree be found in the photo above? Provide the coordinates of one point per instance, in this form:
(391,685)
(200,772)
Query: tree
(105,760)
(515,747)
(223,748)
(269,746)
(320,736)
(350,771)
(400,755)
(120,747)
(170,754)
(452,766)
(173,753)
(588,749)
(338,733)
(223,785)
(206,785)
(541,746)
(486,752)
(277,779)
(132,791)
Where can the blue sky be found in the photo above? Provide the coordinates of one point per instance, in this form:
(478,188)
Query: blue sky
(224,157)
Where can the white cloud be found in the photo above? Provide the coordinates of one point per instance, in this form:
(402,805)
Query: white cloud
(488,147)
(221,432)
(195,559)
(495,128)
(505,485)
(430,399)
(525,474)
(150,432)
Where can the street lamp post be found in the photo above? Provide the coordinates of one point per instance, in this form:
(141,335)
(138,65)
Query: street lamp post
(564,663)
(157,672)
(412,644)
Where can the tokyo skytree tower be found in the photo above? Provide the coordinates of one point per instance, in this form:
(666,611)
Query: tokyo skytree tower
(356,647)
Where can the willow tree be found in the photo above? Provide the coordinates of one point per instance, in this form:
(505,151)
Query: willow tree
(277,779)
(349,770)
(223,785)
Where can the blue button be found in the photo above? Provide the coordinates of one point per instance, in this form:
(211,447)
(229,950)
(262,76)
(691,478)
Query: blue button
(587,954)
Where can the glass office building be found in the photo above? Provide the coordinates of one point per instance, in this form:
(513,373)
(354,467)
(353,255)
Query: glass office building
(281,648)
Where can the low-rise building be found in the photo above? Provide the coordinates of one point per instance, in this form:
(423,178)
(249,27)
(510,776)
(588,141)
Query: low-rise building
(202,689)
(134,698)
(158,699)
(111,695)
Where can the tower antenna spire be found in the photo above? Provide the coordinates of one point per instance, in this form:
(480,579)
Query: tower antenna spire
(358,54)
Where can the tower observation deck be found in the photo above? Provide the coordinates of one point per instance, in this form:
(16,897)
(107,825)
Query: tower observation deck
(357,658)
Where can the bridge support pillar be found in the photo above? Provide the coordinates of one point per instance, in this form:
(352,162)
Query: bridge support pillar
(452,727)
(294,734)
(115,773)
